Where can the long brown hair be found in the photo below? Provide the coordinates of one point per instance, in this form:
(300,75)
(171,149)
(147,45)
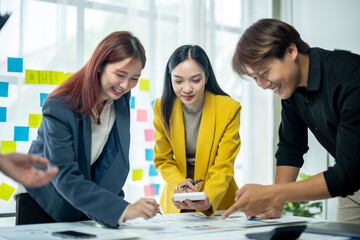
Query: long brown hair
(265,38)
(82,90)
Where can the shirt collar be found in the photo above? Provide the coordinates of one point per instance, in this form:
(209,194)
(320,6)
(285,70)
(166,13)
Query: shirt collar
(314,76)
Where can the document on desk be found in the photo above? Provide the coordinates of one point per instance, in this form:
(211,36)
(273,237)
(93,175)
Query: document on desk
(43,231)
(191,224)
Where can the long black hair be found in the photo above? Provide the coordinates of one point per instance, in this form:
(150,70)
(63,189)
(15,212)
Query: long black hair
(181,54)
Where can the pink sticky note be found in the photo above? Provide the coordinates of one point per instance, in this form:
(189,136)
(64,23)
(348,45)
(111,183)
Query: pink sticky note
(149,190)
(149,134)
(141,115)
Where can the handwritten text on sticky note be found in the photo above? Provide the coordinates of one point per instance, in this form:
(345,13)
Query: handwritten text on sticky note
(34,120)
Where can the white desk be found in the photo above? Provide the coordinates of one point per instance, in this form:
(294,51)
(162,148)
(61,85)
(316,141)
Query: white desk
(172,226)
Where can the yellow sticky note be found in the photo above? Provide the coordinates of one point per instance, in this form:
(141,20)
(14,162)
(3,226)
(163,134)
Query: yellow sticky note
(57,77)
(6,191)
(8,147)
(45,77)
(144,84)
(67,75)
(31,76)
(34,120)
(137,174)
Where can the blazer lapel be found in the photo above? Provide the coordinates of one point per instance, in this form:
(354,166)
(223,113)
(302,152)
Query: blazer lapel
(178,135)
(87,143)
(122,114)
(206,136)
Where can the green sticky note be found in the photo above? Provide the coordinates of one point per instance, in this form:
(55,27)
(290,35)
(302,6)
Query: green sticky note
(6,191)
(31,76)
(137,174)
(8,147)
(34,120)
(57,77)
(45,77)
(144,84)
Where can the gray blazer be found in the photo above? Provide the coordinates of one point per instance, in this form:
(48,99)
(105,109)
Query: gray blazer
(64,137)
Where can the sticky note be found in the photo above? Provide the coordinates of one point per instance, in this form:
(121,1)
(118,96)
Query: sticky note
(2,114)
(31,76)
(4,89)
(144,84)
(67,75)
(149,154)
(15,64)
(43,96)
(132,102)
(21,133)
(6,191)
(137,174)
(8,147)
(34,120)
(152,102)
(149,134)
(45,77)
(152,171)
(57,77)
(141,115)
(149,190)
(157,188)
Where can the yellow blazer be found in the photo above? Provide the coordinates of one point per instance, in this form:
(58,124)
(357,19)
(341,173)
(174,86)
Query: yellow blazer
(217,146)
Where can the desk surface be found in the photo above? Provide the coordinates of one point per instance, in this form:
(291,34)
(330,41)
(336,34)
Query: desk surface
(172,226)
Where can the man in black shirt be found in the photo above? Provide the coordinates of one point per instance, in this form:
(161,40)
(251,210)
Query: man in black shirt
(320,91)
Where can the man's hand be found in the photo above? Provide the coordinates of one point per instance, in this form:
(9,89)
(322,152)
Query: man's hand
(18,166)
(254,200)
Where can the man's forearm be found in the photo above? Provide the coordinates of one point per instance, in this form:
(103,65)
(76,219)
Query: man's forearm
(285,174)
(313,188)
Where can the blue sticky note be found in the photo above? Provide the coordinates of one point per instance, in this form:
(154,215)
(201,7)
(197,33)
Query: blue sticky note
(21,134)
(132,102)
(149,154)
(4,89)
(2,114)
(152,171)
(152,102)
(42,98)
(15,64)
(157,188)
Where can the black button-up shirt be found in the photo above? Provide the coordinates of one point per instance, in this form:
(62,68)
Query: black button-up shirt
(330,108)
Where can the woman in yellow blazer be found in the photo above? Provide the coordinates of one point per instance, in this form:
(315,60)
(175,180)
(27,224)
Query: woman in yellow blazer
(196,134)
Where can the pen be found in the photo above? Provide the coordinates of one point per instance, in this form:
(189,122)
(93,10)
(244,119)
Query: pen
(193,182)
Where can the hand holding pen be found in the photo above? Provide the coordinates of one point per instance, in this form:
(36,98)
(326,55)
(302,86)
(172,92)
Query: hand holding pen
(189,184)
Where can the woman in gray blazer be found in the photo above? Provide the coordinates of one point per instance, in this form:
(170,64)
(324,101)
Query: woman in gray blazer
(85,132)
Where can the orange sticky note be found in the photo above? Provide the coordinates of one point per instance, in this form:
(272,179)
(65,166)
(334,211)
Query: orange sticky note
(141,115)
(6,191)
(144,84)
(137,174)
(45,77)
(149,191)
(8,147)
(34,120)
(57,77)
(149,134)
(31,76)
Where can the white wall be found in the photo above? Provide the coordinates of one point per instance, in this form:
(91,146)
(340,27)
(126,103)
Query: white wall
(329,24)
